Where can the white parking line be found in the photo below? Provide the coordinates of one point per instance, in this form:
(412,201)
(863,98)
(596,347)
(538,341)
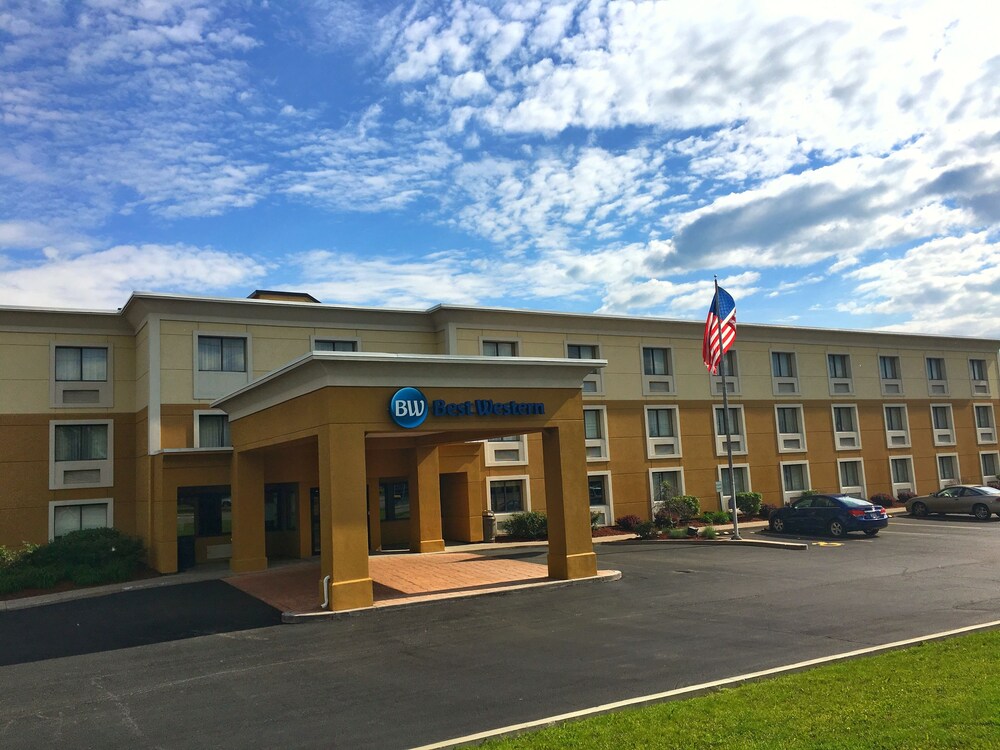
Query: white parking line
(538,723)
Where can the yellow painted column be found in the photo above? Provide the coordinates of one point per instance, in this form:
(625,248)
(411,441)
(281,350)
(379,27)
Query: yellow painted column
(344,517)
(248,513)
(567,503)
(425,501)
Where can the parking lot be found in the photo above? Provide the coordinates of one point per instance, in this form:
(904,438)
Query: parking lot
(681,615)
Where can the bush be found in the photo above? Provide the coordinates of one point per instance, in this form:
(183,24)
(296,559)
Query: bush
(646,530)
(677,533)
(905,496)
(677,509)
(709,532)
(10,556)
(766,510)
(628,523)
(595,519)
(882,498)
(809,493)
(530,525)
(716,516)
(749,503)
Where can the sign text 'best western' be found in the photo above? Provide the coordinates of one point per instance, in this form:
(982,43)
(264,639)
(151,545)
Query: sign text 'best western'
(408,408)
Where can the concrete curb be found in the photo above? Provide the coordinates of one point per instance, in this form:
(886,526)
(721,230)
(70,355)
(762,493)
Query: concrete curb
(719,542)
(299,618)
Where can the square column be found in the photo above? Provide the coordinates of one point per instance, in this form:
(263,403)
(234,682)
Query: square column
(247,513)
(425,501)
(567,502)
(343,516)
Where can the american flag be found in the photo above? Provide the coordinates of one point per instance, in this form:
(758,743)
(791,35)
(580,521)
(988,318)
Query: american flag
(722,307)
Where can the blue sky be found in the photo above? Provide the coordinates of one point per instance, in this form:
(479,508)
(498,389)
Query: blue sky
(835,167)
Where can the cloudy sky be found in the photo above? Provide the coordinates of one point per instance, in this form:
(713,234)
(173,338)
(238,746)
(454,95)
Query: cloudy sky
(835,164)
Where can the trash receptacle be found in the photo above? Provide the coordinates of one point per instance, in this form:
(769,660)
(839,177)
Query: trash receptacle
(489,526)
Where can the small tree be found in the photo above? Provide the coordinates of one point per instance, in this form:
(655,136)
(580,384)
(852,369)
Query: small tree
(676,509)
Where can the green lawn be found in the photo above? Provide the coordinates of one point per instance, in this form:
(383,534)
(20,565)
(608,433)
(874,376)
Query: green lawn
(944,694)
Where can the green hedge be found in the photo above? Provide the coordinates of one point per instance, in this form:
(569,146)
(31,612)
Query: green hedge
(530,525)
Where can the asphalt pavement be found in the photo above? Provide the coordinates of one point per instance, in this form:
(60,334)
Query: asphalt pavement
(681,615)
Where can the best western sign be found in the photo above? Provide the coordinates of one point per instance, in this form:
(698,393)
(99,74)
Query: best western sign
(408,408)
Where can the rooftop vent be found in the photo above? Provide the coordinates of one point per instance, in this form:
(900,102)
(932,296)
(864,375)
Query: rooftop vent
(282,296)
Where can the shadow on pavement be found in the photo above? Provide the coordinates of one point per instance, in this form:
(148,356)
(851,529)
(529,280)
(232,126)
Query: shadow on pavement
(130,618)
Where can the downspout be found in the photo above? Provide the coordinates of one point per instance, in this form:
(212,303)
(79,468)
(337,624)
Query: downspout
(326,593)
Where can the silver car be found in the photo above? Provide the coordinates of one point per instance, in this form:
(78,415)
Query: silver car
(976,499)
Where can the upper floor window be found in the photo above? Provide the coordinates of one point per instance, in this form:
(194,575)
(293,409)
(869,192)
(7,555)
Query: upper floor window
(985,426)
(595,434)
(980,383)
(846,434)
(81,442)
(657,370)
(943,424)
(839,368)
(729,365)
(736,431)
(81,363)
(80,454)
(335,345)
(222,354)
(889,375)
(937,380)
(213,430)
(80,376)
(897,427)
(791,429)
(507,450)
(784,372)
(662,434)
(500,348)
(592,383)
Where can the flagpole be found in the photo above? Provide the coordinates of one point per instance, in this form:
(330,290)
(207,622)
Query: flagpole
(725,411)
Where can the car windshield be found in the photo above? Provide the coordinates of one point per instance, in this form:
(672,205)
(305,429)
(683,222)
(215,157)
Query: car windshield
(987,490)
(853,502)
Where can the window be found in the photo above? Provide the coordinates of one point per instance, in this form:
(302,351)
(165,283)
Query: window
(595,433)
(791,429)
(784,374)
(846,434)
(211,430)
(991,468)
(980,381)
(66,516)
(985,424)
(943,426)
(206,512)
(508,495)
(664,484)
(937,381)
(852,477)
(80,376)
(901,472)
(794,480)
(736,430)
(947,469)
(281,507)
(657,370)
(731,364)
(599,488)
(889,375)
(500,348)
(663,438)
(393,499)
(592,383)
(507,450)
(741,472)
(897,428)
(335,345)
(839,368)
(222,354)
(80,454)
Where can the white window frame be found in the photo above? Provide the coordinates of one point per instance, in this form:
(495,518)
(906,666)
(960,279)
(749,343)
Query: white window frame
(212,384)
(739,441)
(53,504)
(985,435)
(732,381)
(313,340)
(58,469)
(525,481)
(493,447)
(595,378)
(840,386)
(608,507)
(719,469)
(600,445)
(890,386)
(515,344)
(990,479)
(938,387)
(104,390)
(787,495)
(893,435)
(791,442)
(652,487)
(957,479)
(657,385)
(842,440)
(850,489)
(898,487)
(198,414)
(943,436)
(652,443)
(980,387)
(785,385)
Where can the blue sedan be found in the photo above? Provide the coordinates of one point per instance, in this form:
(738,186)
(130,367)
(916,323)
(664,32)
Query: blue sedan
(831,514)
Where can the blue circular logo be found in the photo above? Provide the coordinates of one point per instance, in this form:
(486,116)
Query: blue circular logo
(408,408)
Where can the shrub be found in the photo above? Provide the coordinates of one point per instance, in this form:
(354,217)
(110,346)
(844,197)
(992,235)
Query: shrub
(749,503)
(664,519)
(678,508)
(530,525)
(766,510)
(628,523)
(646,530)
(595,519)
(882,498)
(809,493)
(709,532)
(905,496)
(677,533)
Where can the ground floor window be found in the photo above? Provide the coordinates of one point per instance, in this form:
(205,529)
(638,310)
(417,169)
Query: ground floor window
(393,500)
(204,511)
(507,496)
(600,497)
(79,515)
(281,507)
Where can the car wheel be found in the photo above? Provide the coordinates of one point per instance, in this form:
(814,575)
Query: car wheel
(778,525)
(981,512)
(918,509)
(836,528)
(871,532)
